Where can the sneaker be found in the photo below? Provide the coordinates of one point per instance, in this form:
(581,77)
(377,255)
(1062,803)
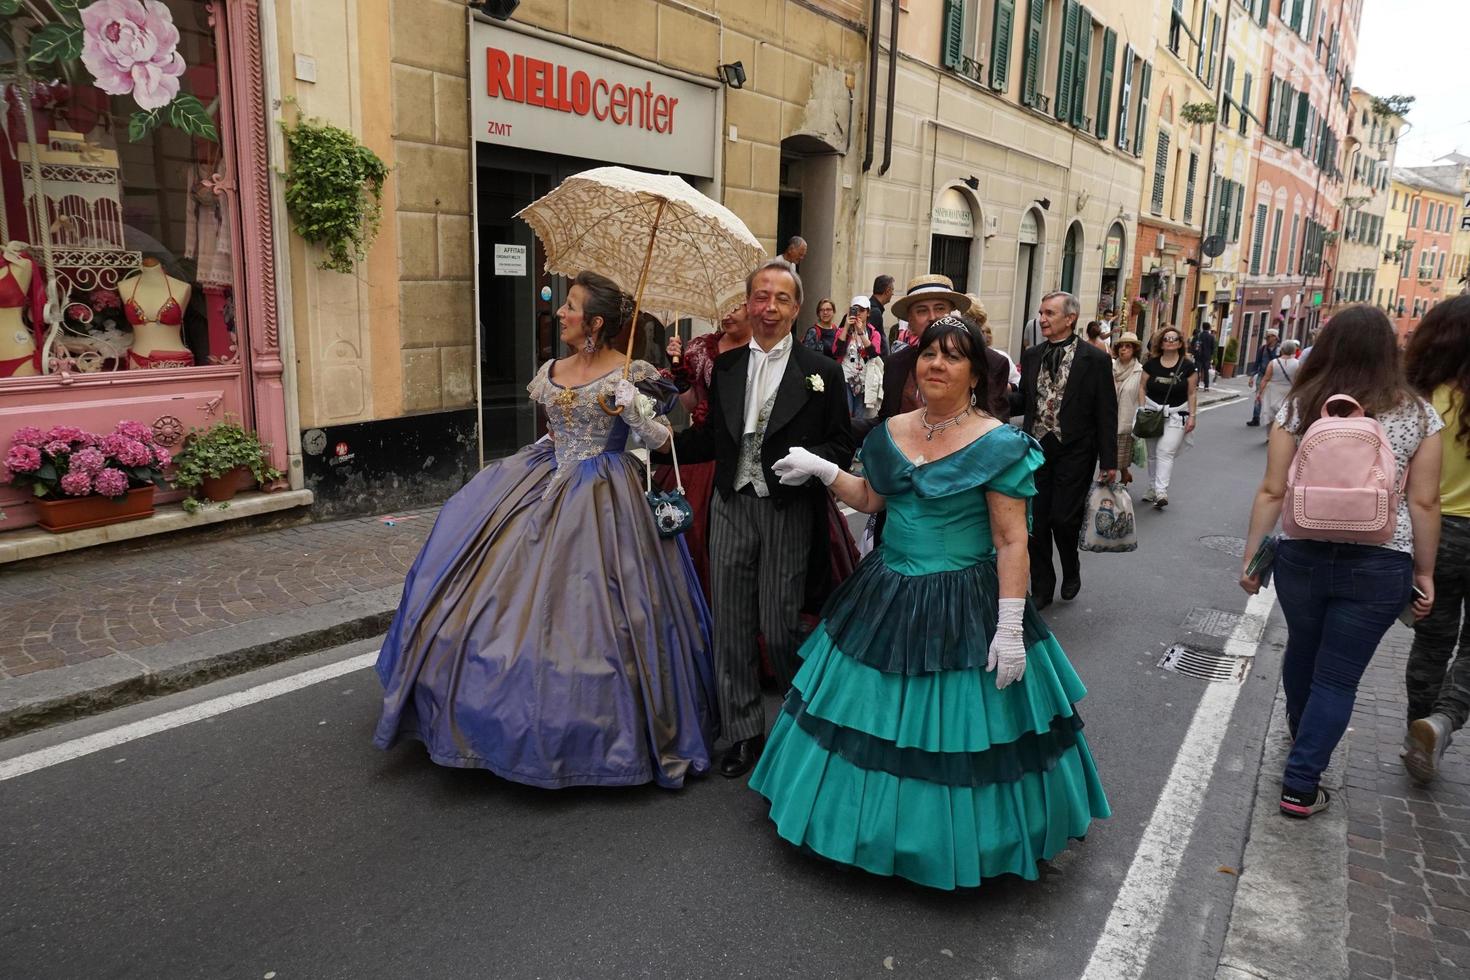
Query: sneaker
(1425,746)
(1300,806)
(1148,496)
(1160,502)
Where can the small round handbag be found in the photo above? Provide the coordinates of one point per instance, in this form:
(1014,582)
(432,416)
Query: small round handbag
(672,515)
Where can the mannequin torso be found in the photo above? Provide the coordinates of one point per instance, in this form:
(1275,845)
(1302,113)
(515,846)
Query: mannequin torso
(154,303)
(17,342)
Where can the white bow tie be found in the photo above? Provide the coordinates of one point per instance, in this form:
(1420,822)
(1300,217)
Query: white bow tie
(764,374)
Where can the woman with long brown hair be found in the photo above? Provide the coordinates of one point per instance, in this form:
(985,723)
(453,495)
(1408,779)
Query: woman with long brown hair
(1340,598)
(1437,363)
(1170,386)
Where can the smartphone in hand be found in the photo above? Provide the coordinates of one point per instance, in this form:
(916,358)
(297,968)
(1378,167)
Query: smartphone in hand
(1407,617)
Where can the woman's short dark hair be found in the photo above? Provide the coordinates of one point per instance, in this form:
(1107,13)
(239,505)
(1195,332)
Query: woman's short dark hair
(1355,354)
(955,333)
(605,301)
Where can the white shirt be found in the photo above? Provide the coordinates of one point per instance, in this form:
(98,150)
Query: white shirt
(762,377)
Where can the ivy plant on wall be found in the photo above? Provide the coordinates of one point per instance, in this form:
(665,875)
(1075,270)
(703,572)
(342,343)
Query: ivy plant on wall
(130,47)
(334,191)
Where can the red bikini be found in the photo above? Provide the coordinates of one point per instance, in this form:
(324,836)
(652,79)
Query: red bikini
(12,297)
(169,314)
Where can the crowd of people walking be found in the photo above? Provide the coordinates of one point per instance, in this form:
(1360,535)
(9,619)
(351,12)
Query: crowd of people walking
(553,632)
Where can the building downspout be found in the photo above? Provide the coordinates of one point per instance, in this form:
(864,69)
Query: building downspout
(892,86)
(868,137)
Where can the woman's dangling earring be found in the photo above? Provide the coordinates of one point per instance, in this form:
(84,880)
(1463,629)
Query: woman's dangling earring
(588,346)
(974,399)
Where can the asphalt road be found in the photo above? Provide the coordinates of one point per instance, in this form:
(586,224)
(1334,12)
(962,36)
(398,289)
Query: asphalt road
(275,841)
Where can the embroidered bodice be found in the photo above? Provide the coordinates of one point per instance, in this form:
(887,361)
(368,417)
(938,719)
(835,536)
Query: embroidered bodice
(580,429)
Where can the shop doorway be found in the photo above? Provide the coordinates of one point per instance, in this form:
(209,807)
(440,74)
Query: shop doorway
(1071,251)
(1028,282)
(950,256)
(1112,269)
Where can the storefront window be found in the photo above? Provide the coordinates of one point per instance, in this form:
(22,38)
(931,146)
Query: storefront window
(111,189)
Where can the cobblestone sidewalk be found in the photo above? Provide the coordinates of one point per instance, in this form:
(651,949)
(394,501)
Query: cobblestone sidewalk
(1408,847)
(87,606)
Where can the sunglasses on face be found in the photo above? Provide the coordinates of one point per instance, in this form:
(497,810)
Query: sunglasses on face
(1171,340)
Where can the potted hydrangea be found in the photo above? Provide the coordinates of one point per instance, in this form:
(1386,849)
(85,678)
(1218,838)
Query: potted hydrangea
(81,479)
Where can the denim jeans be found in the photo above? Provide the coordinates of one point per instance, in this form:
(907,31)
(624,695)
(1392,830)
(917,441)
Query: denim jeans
(1339,600)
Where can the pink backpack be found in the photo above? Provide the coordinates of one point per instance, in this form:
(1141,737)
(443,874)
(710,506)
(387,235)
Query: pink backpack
(1344,483)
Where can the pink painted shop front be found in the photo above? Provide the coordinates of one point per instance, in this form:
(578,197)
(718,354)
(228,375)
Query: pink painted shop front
(145,207)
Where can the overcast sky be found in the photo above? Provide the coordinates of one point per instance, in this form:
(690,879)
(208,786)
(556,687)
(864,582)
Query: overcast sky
(1417,47)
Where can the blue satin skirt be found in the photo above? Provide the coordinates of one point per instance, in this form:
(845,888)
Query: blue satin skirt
(553,639)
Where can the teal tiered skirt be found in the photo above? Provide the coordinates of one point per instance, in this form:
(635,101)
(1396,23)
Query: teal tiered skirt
(895,752)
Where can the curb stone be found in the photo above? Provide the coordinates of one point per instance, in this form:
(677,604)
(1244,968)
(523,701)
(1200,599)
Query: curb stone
(1289,920)
(46,697)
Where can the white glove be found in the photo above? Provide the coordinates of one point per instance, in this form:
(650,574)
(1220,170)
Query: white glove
(799,465)
(638,414)
(1008,649)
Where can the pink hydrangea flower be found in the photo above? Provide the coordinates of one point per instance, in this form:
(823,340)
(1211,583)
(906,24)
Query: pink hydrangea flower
(135,430)
(66,433)
(133,453)
(162,457)
(76,484)
(89,461)
(111,482)
(28,435)
(131,46)
(23,459)
(57,448)
(111,445)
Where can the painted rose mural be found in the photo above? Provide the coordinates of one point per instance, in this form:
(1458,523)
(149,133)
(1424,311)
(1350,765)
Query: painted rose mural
(130,48)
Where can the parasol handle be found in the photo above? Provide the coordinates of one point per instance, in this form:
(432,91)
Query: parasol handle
(637,305)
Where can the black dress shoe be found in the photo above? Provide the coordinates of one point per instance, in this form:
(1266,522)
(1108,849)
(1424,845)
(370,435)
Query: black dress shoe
(741,757)
(1070,588)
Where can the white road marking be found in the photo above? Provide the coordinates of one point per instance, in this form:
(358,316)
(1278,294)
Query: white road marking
(1228,401)
(1123,949)
(101,741)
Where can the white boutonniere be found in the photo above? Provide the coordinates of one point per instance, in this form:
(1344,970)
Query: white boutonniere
(814,382)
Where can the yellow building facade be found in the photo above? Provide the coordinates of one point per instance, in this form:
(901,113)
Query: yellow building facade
(1011,165)
(1369,152)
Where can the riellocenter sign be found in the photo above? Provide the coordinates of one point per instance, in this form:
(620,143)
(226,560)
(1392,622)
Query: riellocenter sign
(535,94)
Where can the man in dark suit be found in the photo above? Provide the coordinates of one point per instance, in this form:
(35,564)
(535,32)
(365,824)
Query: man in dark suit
(1071,407)
(765,538)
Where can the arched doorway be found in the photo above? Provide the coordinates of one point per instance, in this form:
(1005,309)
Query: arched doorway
(1071,253)
(1112,268)
(952,237)
(1028,278)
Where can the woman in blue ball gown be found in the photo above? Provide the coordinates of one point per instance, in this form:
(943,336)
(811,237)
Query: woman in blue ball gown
(931,732)
(546,632)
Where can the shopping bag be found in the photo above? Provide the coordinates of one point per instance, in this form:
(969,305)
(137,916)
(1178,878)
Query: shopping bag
(1108,525)
(1140,453)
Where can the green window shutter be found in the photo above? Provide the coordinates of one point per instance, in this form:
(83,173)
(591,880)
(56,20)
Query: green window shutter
(1031,66)
(1258,238)
(1161,173)
(1295,23)
(1299,132)
(1125,93)
(952,40)
(1084,56)
(1067,62)
(1140,122)
(1245,102)
(1214,59)
(1105,83)
(1239,211)
(1000,43)
(1189,181)
(1221,189)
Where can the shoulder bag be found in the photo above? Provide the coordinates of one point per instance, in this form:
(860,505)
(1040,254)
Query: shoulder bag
(672,515)
(1148,423)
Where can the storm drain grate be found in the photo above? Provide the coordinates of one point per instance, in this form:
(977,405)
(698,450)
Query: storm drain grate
(1206,665)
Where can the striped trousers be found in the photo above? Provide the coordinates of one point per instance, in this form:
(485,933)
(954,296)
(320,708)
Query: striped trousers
(758,559)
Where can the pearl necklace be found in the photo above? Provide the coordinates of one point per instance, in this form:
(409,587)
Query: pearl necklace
(934,427)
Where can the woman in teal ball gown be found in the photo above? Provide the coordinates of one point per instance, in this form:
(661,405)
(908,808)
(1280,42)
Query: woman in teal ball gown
(931,731)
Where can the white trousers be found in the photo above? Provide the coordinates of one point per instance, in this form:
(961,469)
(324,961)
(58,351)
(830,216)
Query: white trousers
(1163,450)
